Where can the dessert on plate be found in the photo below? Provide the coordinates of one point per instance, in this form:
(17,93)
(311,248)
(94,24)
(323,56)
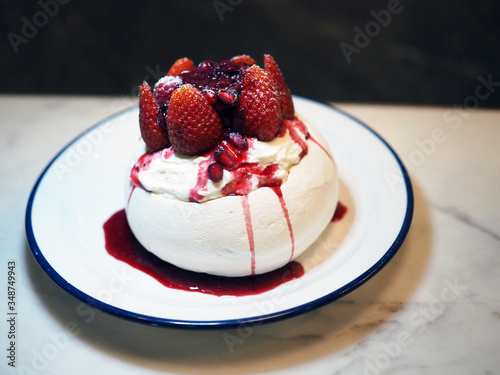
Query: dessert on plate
(227,179)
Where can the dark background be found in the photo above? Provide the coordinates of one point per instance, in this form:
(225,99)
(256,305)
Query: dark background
(430,52)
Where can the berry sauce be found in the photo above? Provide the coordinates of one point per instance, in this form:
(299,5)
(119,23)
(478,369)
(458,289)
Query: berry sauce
(279,194)
(294,126)
(248,224)
(340,212)
(141,165)
(312,139)
(219,78)
(249,227)
(122,245)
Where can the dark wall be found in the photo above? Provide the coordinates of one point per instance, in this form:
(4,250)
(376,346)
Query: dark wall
(420,51)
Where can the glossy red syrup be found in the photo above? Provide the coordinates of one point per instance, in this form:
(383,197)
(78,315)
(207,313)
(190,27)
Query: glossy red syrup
(249,227)
(294,126)
(130,195)
(312,139)
(279,194)
(122,245)
(242,178)
(142,164)
(340,212)
(201,181)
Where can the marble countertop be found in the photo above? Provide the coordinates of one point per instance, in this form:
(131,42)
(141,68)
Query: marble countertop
(433,309)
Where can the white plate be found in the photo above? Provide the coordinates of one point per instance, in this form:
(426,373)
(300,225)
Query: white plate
(84,185)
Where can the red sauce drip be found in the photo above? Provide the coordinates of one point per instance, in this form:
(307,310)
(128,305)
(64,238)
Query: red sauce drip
(143,164)
(267,176)
(340,212)
(321,146)
(122,245)
(241,182)
(201,182)
(130,195)
(298,124)
(248,223)
(279,193)
(293,127)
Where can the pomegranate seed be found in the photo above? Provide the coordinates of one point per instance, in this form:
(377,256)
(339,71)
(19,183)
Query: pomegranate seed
(227,98)
(210,96)
(205,66)
(238,141)
(215,172)
(224,157)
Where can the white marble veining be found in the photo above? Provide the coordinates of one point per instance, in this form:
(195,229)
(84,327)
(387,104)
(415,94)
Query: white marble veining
(434,309)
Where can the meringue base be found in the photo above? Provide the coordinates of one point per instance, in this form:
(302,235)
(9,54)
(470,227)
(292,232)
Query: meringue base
(216,236)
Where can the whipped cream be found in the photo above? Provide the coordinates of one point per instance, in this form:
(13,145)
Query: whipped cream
(177,176)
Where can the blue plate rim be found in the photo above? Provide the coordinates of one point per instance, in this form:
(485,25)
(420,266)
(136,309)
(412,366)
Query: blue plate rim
(231,323)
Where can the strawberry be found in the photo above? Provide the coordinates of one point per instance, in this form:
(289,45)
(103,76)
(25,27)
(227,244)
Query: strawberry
(284,95)
(258,112)
(193,125)
(182,65)
(164,88)
(152,133)
(162,92)
(243,59)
